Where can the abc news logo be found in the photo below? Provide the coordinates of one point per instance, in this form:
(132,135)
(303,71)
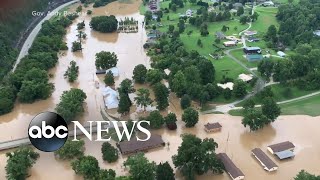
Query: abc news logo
(48,131)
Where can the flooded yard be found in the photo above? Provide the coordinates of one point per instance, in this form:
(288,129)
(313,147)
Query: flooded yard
(234,139)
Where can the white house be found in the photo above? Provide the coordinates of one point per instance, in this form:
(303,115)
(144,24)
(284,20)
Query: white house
(110,97)
(114,70)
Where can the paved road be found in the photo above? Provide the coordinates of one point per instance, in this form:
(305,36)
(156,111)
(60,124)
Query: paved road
(27,44)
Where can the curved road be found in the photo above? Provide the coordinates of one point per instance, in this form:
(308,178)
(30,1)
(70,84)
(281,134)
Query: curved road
(27,44)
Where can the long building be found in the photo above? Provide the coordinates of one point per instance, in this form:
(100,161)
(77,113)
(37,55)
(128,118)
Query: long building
(264,160)
(282,150)
(234,172)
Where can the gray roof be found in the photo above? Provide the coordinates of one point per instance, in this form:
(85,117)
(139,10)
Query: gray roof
(263,158)
(284,154)
(220,35)
(229,166)
(210,126)
(281,146)
(252,48)
(132,146)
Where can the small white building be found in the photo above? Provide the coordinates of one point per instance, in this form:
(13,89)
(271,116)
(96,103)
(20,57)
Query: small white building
(268,3)
(245,77)
(228,85)
(114,71)
(110,97)
(189,13)
(281,54)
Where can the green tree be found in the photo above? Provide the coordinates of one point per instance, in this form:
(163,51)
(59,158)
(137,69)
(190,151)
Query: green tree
(240,89)
(161,93)
(35,86)
(109,79)
(106,60)
(227,93)
(271,34)
(190,117)
(199,43)
(105,24)
(105,174)
(156,119)
(76,46)
(207,71)
(139,73)
(303,175)
(143,98)
(86,166)
(71,104)
(254,119)
(185,101)
(81,25)
(270,109)
(109,153)
(171,28)
(171,120)
(126,86)
(19,162)
(70,150)
(72,72)
(249,104)
(196,156)
(124,103)
(181,26)
(164,172)
(140,167)
(244,19)
(79,9)
(154,76)
(179,84)
(240,11)
(89,12)
(8,97)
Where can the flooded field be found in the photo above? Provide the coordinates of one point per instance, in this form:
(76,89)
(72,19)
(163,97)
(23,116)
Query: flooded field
(234,139)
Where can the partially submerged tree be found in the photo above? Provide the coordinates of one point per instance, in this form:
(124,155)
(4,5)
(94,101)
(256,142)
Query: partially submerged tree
(190,117)
(106,60)
(170,121)
(72,72)
(109,153)
(164,172)
(139,73)
(70,150)
(140,167)
(143,98)
(109,79)
(161,93)
(156,120)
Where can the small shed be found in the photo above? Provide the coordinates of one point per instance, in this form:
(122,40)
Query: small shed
(283,146)
(234,172)
(229,43)
(212,127)
(264,160)
(281,54)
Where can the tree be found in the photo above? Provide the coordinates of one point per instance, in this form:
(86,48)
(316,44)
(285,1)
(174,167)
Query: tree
(171,28)
(8,97)
(35,85)
(126,86)
(70,150)
(76,46)
(105,24)
(240,11)
(19,162)
(181,26)
(196,156)
(270,109)
(171,120)
(89,12)
(227,93)
(249,104)
(161,93)
(224,28)
(179,84)
(106,60)
(240,89)
(81,25)
(86,166)
(303,175)
(254,119)
(190,117)
(109,153)
(254,16)
(71,104)
(107,174)
(185,101)
(72,72)
(109,79)
(207,71)
(154,76)
(156,120)
(79,9)
(199,43)
(164,172)
(143,98)
(204,30)
(244,19)
(140,167)
(124,103)
(271,34)
(139,73)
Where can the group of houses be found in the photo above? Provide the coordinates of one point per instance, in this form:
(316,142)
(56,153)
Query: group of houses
(283,150)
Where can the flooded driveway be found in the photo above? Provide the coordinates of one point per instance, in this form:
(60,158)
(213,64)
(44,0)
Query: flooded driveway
(234,139)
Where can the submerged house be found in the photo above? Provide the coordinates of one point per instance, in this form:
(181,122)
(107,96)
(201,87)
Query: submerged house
(212,127)
(282,150)
(134,146)
(234,172)
(264,160)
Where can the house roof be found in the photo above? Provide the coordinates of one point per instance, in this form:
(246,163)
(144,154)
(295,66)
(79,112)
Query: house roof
(263,158)
(210,126)
(230,167)
(284,154)
(281,146)
(229,43)
(245,77)
(220,35)
(317,32)
(127,147)
(252,48)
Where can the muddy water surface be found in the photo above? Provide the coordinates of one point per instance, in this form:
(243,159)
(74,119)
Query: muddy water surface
(234,139)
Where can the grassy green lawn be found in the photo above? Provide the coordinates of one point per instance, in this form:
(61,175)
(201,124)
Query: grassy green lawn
(308,106)
(239,54)
(285,1)
(267,17)
(142,9)
(281,93)
(228,68)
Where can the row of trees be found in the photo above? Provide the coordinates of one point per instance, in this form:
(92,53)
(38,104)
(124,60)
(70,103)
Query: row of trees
(30,81)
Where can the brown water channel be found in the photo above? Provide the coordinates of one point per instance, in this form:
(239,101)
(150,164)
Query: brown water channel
(234,139)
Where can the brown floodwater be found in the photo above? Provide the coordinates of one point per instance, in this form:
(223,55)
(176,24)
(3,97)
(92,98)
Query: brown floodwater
(234,139)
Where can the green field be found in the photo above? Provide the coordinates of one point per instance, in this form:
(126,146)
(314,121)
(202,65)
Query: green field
(228,68)
(267,17)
